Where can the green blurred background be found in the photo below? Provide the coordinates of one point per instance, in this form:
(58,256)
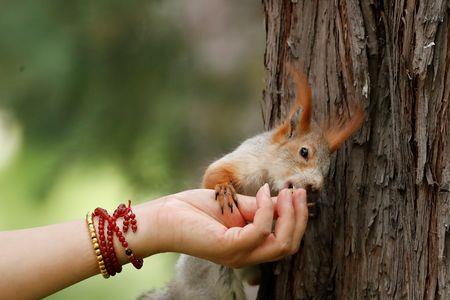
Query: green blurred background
(103,101)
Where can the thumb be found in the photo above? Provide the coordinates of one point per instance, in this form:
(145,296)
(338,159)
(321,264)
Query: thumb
(255,233)
(248,205)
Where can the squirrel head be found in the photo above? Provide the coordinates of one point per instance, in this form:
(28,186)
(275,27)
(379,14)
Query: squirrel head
(303,147)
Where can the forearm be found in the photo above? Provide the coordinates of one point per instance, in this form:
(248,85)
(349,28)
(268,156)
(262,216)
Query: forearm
(40,261)
(43,260)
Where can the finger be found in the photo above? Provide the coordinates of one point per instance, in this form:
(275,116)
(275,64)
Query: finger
(285,225)
(248,207)
(301,216)
(264,214)
(267,251)
(280,243)
(255,233)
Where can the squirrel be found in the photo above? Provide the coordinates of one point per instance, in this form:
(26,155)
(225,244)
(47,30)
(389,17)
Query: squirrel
(295,154)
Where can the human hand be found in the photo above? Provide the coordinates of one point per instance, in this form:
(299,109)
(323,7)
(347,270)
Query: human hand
(191,223)
(49,258)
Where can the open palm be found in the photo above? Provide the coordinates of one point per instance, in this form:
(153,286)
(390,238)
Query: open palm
(196,226)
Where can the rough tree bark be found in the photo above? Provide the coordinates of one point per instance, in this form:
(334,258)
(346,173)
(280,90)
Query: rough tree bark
(383,231)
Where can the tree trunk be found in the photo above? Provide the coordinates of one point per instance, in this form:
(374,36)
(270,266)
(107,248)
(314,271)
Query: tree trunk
(385,208)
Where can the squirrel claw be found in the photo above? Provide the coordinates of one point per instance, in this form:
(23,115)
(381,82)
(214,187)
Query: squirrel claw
(313,210)
(226,194)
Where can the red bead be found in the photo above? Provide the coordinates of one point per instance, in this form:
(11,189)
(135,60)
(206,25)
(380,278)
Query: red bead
(137,263)
(118,267)
(112,264)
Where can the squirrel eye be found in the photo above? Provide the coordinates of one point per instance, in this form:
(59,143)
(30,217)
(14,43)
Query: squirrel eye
(304,152)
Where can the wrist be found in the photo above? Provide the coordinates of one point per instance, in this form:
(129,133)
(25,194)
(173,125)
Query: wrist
(144,242)
(166,226)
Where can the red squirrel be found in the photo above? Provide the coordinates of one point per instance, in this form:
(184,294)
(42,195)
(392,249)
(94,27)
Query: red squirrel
(295,154)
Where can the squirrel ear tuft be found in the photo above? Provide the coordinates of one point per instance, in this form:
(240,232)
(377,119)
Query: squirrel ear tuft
(303,97)
(339,131)
(298,120)
(288,128)
(282,133)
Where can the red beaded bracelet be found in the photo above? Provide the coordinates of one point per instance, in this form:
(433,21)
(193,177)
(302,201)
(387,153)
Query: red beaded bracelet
(112,264)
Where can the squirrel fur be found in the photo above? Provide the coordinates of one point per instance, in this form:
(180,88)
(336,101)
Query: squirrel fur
(295,154)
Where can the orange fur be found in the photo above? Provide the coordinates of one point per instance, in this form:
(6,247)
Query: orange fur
(273,157)
(303,97)
(281,133)
(336,134)
(220,175)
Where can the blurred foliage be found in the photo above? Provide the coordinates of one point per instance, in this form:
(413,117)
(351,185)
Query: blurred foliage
(113,102)
(110,81)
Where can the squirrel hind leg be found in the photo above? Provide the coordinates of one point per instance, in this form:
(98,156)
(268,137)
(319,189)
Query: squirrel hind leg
(226,196)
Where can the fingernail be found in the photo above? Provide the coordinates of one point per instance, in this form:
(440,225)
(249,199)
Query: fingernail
(266,189)
(288,193)
(301,194)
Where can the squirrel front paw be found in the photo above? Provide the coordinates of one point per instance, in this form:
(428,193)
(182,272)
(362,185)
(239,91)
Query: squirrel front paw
(313,207)
(313,210)
(226,195)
